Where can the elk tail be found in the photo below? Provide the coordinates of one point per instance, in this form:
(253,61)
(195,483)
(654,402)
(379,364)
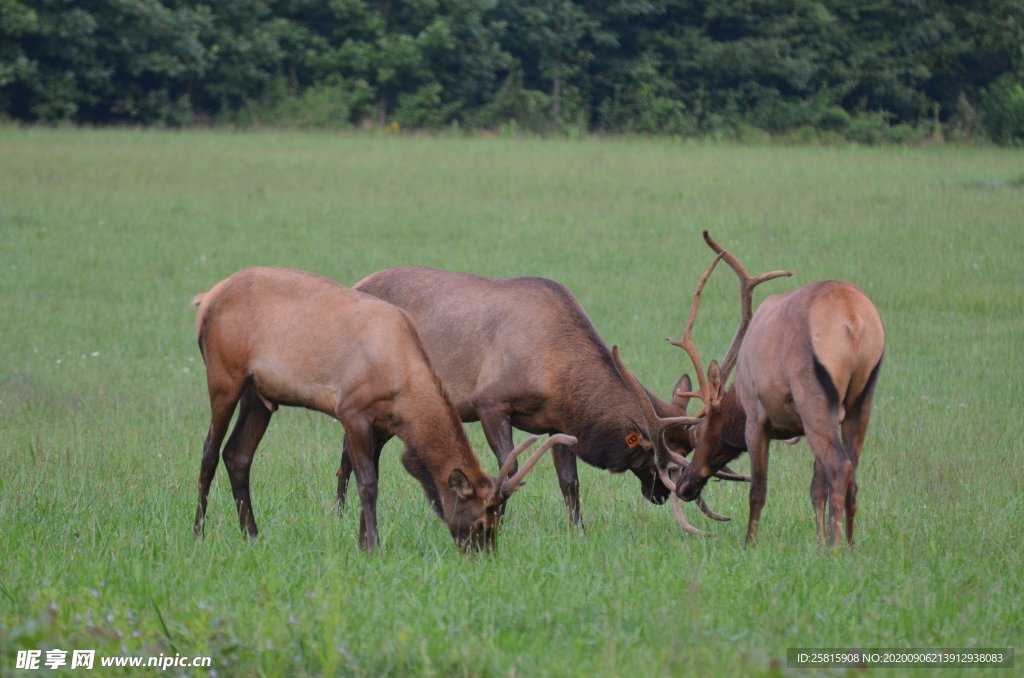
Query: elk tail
(827,384)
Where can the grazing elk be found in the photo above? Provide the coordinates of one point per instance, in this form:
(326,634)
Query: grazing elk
(807,364)
(522,353)
(274,337)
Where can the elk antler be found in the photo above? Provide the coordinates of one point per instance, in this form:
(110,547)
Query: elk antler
(747,285)
(686,343)
(510,460)
(726,473)
(654,425)
(509,486)
(677,509)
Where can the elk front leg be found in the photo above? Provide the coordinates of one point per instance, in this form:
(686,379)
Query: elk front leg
(359,436)
(757,447)
(568,481)
(222,405)
(497,425)
(253,418)
(345,469)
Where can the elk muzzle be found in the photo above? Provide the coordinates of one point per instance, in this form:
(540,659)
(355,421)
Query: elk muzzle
(476,538)
(690,484)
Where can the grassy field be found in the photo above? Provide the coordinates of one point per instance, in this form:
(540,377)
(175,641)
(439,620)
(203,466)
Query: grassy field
(106,235)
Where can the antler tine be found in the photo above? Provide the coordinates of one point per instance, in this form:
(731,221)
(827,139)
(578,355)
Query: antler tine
(654,425)
(677,511)
(686,343)
(747,285)
(726,473)
(509,486)
(706,510)
(511,458)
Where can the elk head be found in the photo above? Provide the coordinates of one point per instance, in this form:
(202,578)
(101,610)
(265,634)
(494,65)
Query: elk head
(710,456)
(716,444)
(666,459)
(476,514)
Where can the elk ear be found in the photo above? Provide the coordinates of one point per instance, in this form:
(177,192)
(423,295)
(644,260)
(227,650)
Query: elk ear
(459,484)
(684,385)
(715,380)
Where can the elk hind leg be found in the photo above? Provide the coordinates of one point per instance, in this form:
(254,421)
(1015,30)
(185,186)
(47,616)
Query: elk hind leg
(344,474)
(838,472)
(854,429)
(819,491)
(253,419)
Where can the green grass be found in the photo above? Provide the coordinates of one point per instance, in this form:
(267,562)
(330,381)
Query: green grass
(106,235)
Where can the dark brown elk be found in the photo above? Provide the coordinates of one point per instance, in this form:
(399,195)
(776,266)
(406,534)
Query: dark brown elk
(807,364)
(273,337)
(522,353)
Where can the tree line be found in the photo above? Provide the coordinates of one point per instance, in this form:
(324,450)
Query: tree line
(870,70)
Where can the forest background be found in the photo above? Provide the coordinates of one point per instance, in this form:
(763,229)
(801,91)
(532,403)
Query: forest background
(867,71)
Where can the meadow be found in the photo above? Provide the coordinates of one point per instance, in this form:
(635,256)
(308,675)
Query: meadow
(106,235)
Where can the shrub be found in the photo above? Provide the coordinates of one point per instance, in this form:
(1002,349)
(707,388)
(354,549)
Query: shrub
(1003,110)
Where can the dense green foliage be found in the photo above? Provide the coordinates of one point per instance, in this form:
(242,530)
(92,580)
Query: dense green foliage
(864,70)
(106,235)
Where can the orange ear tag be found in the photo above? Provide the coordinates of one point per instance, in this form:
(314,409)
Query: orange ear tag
(633,439)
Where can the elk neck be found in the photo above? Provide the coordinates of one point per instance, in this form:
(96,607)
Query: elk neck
(426,422)
(603,417)
(734,421)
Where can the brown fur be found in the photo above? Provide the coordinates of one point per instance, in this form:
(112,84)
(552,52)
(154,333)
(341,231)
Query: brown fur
(522,353)
(779,393)
(273,337)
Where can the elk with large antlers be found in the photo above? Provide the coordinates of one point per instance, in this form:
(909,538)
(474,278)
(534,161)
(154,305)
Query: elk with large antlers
(522,353)
(807,364)
(273,337)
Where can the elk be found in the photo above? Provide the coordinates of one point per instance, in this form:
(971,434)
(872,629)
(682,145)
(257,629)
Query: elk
(522,353)
(807,364)
(272,336)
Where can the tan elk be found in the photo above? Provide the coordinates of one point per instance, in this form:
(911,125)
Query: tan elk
(522,353)
(807,364)
(273,337)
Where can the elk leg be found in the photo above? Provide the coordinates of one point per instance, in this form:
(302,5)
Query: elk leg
(854,428)
(345,469)
(757,446)
(568,481)
(819,490)
(498,430)
(359,436)
(344,473)
(222,405)
(253,418)
(837,469)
